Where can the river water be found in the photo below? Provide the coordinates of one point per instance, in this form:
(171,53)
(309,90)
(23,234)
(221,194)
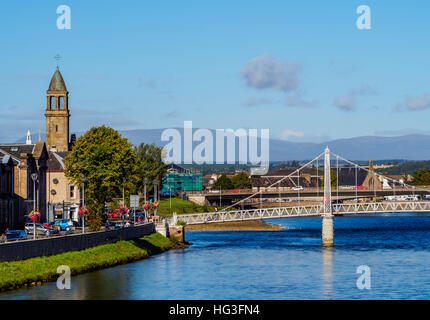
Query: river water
(272,265)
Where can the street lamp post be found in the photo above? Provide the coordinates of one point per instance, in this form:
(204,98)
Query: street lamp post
(170,195)
(156,182)
(83,202)
(123,192)
(34,177)
(220,196)
(145,181)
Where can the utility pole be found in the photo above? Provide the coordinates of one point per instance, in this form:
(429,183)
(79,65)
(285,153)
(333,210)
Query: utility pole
(34,177)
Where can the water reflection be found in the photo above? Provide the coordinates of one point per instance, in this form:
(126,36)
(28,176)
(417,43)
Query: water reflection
(327,272)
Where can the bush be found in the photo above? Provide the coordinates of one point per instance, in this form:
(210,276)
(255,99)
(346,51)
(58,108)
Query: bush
(181,223)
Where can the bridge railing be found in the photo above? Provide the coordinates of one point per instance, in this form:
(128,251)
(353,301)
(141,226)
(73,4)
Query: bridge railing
(304,211)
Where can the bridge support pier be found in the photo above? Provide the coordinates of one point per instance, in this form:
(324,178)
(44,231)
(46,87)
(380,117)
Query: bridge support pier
(327,217)
(327,231)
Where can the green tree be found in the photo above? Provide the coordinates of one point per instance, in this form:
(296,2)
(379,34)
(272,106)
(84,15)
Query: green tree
(151,165)
(421,177)
(333,176)
(241,180)
(108,163)
(223,183)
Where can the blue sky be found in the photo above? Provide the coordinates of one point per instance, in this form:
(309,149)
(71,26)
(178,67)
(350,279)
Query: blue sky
(300,68)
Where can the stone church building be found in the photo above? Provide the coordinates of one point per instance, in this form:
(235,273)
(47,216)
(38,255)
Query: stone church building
(54,196)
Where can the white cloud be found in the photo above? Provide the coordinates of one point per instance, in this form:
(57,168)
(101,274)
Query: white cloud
(349,101)
(267,72)
(290,134)
(301,136)
(418,103)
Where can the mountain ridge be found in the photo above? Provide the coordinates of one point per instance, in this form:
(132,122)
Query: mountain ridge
(407,147)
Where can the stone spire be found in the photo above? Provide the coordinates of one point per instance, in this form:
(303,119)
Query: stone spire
(28,140)
(57,114)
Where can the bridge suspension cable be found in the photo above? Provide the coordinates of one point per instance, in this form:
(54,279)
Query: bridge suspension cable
(378,174)
(259,192)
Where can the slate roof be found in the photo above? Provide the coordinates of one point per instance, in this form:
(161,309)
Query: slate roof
(56,161)
(16,149)
(346,176)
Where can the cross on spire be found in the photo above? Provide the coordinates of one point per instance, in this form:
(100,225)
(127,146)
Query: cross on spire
(58,58)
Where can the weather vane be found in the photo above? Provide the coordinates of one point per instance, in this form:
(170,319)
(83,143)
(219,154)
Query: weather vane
(58,58)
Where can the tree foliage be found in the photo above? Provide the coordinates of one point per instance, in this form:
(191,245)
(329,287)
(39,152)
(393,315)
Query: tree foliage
(151,165)
(241,180)
(108,162)
(421,177)
(333,177)
(223,183)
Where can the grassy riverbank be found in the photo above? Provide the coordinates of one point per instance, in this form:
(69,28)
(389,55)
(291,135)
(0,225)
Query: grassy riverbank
(179,206)
(16,274)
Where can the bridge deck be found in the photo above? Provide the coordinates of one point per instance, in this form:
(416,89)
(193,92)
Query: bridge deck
(305,211)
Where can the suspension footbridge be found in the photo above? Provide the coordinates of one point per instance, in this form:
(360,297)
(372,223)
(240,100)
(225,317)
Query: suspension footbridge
(325,209)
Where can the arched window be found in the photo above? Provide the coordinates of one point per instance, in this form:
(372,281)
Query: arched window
(51,103)
(61,103)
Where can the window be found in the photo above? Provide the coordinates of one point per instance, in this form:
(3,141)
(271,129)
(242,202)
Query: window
(61,103)
(72,192)
(56,128)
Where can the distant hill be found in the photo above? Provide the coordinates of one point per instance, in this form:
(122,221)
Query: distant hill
(408,147)
(406,168)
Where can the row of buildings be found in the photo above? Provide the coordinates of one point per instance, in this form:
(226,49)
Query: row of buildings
(182,180)
(32,174)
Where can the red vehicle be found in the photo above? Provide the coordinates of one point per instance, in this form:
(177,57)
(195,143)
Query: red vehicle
(236,190)
(360,187)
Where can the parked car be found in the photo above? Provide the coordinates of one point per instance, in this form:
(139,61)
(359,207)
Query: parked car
(16,235)
(49,224)
(346,187)
(63,224)
(40,229)
(115,224)
(236,190)
(299,188)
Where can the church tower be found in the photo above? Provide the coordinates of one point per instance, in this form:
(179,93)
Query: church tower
(57,114)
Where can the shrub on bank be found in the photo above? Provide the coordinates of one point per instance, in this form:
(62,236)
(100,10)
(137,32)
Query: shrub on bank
(15,274)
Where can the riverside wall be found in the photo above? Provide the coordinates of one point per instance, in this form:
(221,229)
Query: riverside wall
(21,250)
